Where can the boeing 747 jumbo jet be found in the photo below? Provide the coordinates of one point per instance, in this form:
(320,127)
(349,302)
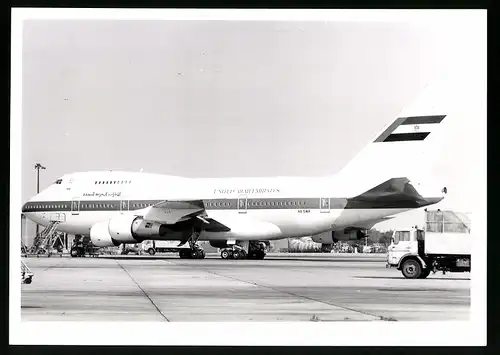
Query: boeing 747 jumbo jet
(386,178)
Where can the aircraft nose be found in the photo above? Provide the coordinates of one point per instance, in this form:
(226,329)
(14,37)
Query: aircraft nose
(28,206)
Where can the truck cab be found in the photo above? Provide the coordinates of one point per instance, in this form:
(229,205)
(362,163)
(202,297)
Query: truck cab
(442,243)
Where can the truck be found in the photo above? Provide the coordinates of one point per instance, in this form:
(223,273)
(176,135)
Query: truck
(442,243)
(164,246)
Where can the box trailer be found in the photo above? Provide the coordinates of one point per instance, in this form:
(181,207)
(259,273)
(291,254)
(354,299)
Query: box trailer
(442,243)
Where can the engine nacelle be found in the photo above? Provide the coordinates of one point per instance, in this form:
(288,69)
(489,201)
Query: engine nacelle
(124,229)
(100,237)
(333,237)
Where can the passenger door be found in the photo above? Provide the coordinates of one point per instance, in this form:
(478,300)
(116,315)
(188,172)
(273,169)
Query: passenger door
(242,204)
(324,205)
(75,206)
(124,206)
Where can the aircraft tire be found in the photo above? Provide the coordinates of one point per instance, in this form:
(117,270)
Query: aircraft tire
(239,254)
(224,254)
(197,253)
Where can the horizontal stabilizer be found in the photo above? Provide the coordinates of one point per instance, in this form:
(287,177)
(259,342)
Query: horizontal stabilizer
(370,223)
(393,193)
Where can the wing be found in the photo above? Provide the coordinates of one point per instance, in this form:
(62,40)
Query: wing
(174,211)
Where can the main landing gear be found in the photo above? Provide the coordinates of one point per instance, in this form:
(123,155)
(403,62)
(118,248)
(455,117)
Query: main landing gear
(256,251)
(194,251)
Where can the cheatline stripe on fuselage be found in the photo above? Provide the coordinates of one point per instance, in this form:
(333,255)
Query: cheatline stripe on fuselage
(226,204)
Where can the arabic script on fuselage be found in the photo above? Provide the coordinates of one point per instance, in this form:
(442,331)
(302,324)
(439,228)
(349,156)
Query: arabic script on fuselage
(102,194)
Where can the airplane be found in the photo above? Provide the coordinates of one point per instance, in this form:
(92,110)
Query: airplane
(386,178)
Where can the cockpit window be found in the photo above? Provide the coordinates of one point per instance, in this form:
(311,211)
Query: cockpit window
(58,181)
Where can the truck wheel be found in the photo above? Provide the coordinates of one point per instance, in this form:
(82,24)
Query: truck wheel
(224,254)
(425,273)
(151,251)
(411,269)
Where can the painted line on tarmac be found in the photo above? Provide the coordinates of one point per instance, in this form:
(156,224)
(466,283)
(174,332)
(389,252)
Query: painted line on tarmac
(299,296)
(145,293)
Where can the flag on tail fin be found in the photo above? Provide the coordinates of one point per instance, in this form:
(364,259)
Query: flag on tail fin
(414,128)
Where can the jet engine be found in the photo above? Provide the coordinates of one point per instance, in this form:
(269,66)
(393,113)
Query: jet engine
(335,236)
(124,229)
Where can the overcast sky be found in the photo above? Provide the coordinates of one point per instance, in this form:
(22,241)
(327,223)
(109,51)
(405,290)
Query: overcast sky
(219,98)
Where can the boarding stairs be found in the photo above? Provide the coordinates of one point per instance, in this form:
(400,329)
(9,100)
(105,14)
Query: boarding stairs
(45,240)
(24,248)
(26,273)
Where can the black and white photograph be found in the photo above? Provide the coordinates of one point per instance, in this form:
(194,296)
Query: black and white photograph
(248,177)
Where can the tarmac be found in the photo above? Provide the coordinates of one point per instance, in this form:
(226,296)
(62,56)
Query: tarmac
(286,287)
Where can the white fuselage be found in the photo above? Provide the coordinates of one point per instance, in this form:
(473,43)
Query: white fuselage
(292,207)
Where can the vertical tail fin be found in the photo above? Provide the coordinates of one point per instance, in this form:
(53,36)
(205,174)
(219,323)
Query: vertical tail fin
(404,147)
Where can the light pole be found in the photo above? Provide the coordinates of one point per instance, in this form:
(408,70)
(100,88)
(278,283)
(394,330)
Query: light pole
(38,166)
